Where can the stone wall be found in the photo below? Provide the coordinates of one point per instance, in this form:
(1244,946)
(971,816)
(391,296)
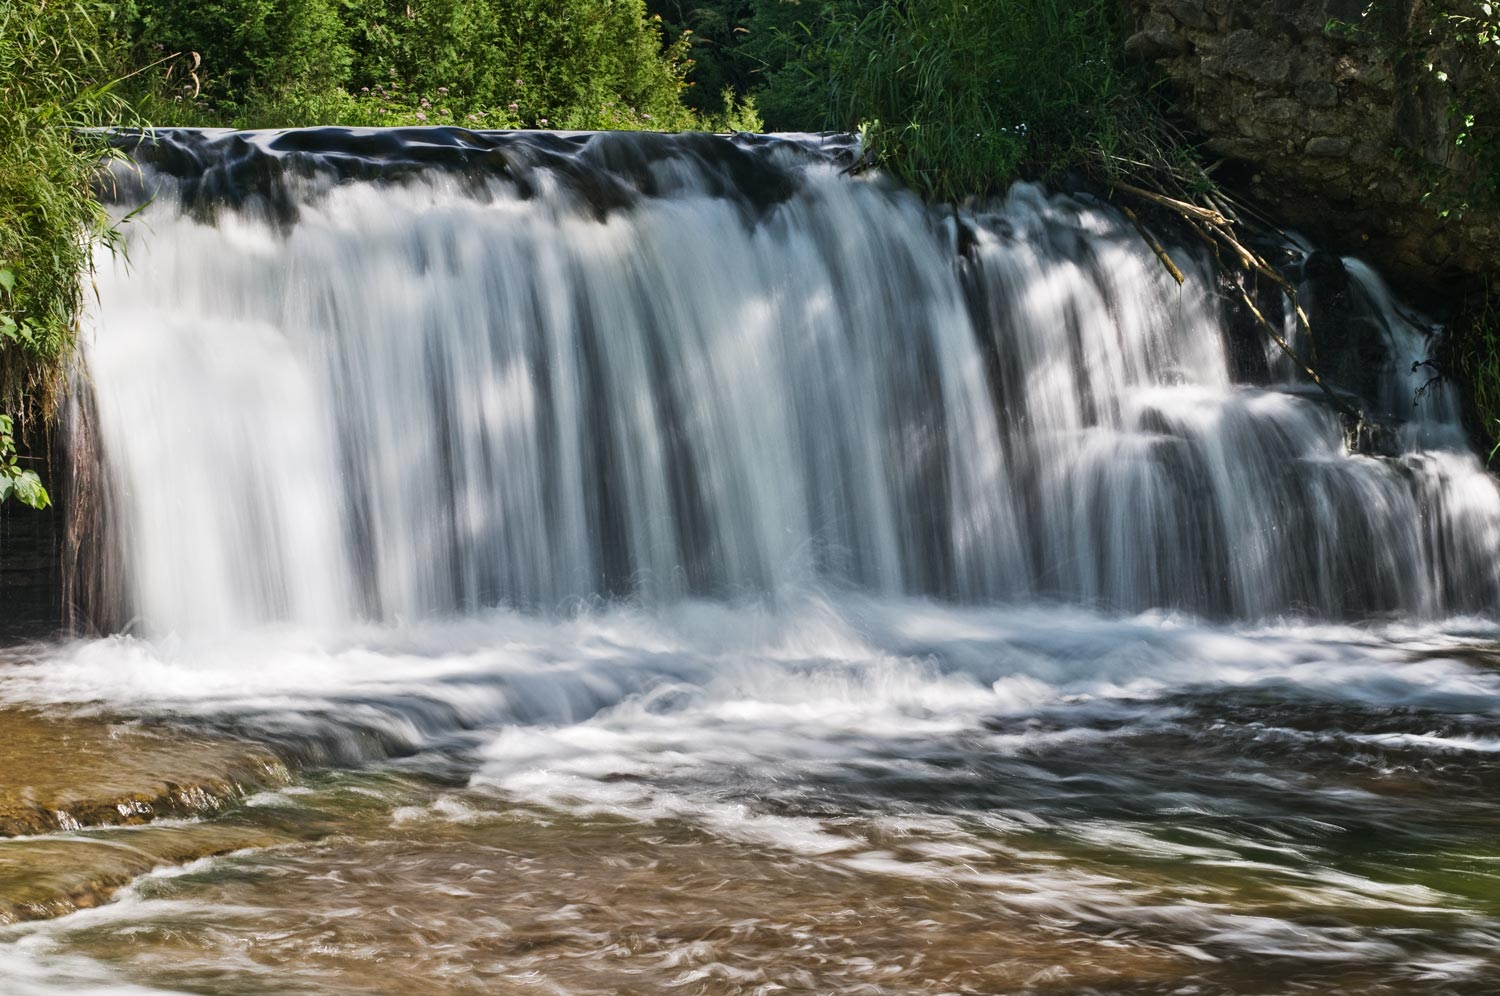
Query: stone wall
(1338,126)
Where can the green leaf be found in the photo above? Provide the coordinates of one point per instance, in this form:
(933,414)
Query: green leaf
(29,490)
(7,280)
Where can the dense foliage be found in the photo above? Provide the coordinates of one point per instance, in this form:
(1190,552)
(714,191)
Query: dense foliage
(961,98)
(55,81)
(957,98)
(572,64)
(778,51)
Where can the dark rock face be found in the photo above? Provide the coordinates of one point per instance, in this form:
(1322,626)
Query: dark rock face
(1339,127)
(30,569)
(62,568)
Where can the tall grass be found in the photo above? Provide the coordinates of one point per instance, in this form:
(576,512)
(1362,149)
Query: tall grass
(55,81)
(961,98)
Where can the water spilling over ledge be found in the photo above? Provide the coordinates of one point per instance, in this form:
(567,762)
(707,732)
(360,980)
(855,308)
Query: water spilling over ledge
(640,563)
(391,375)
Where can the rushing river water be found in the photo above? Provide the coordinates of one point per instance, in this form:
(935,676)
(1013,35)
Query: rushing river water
(672,565)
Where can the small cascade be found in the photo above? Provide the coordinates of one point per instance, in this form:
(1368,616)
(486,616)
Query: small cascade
(387,376)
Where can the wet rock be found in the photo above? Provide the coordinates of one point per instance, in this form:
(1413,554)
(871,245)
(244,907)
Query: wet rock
(1151,45)
(1191,13)
(44,877)
(1316,93)
(1250,58)
(1328,146)
(274,169)
(81,798)
(60,772)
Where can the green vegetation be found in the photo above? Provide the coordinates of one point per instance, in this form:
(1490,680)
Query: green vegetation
(1461,48)
(961,98)
(25,485)
(569,64)
(778,51)
(954,97)
(1475,339)
(54,81)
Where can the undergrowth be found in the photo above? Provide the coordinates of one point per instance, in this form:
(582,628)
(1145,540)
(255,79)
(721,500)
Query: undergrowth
(961,99)
(55,83)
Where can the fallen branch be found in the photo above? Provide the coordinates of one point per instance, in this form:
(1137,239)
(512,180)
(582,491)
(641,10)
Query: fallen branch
(1286,348)
(1156,246)
(1181,207)
(1216,231)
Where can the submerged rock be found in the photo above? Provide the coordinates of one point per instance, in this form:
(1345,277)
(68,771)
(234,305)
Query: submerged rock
(69,772)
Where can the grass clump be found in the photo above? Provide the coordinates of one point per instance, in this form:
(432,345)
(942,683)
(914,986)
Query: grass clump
(956,98)
(55,82)
(961,99)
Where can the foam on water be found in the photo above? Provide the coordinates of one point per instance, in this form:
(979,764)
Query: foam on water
(822,659)
(1130,776)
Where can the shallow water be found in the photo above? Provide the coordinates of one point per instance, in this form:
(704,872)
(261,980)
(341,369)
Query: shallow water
(835,794)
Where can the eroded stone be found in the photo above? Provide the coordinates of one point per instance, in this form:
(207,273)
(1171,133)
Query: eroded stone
(66,772)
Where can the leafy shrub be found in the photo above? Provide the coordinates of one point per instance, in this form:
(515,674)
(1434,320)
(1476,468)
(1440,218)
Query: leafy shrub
(23,485)
(491,63)
(249,50)
(774,52)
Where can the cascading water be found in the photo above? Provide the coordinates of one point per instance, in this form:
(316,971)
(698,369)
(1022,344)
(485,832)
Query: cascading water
(669,564)
(674,369)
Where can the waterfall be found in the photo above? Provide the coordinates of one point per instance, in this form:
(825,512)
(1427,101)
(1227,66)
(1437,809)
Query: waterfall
(388,376)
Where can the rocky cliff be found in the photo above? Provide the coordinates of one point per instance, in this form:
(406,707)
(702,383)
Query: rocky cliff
(1336,121)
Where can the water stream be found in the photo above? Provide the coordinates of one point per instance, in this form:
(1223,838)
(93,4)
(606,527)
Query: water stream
(684,566)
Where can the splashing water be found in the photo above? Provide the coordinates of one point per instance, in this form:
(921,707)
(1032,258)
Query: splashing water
(425,398)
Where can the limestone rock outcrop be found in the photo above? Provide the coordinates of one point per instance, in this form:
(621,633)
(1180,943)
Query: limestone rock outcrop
(1338,123)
